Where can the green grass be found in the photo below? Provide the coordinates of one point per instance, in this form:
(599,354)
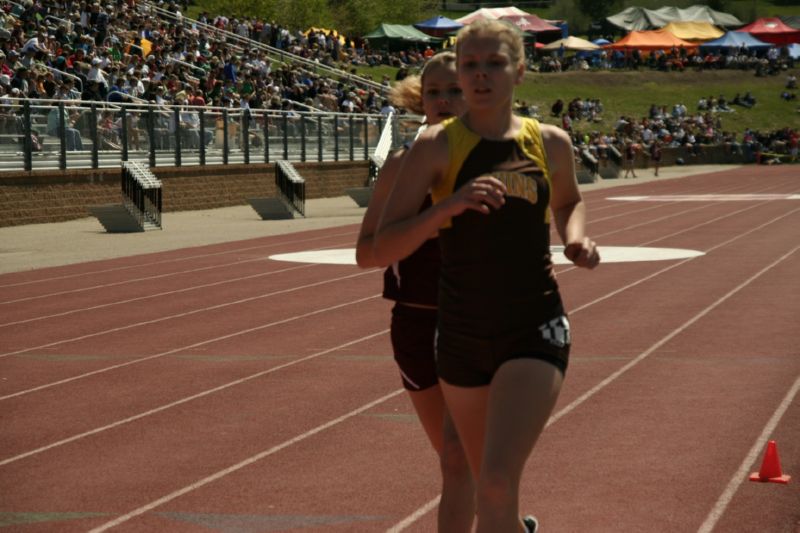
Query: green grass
(631,93)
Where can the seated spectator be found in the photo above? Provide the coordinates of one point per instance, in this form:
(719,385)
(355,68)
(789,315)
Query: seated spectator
(557,108)
(71,134)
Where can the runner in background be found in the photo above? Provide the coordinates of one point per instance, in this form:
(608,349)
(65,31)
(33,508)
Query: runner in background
(412,284)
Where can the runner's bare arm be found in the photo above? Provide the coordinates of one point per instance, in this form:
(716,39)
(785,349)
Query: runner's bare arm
(383,187)
(566,202)
(401,229)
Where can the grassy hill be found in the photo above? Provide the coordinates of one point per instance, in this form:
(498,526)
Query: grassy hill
(631,93)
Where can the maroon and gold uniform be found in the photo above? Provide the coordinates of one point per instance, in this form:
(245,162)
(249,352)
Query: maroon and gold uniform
(413,284)
(498,296)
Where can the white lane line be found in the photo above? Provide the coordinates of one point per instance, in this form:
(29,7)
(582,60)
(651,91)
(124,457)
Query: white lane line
(416,515)
(185,314)
(645,354)
(166,261)
(138,280)
(705,197)
(155,295)
(594,390)
(238,466)
(186,399)
(652,207)
(190,346)
(680,263)
(752,456)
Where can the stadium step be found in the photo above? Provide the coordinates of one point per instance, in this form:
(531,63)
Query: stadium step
(116,218)
(360,195)
(271,208)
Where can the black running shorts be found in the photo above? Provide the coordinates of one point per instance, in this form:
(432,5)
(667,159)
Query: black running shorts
(413,338)
(465,359)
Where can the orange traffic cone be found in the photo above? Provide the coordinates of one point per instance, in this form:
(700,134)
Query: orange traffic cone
(770,467)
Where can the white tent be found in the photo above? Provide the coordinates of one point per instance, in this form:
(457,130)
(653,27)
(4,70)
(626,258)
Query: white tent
(571,43)
(491,13)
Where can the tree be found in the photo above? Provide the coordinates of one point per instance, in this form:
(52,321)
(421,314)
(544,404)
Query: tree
(596,9)
(303,15)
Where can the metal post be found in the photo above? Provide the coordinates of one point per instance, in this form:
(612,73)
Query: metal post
(303,138)
(285,119)
(151,134)
(27,145)
(176,115)
(366,138)
(62,137)
(93,135)
(266,138)
(319,137)
(124,133)
(246,135)
(224,136)
(202,137)
(335,137)
(352,139)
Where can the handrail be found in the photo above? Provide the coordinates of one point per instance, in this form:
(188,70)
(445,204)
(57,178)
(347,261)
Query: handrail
(252,43)
(129,96)
(16,4)
(55,18)
(184,63)
(67,74)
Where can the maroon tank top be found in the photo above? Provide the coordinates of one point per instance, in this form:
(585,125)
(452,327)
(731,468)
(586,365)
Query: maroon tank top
(415,279)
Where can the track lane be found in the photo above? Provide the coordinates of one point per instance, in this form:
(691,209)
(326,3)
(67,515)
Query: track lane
(245,503)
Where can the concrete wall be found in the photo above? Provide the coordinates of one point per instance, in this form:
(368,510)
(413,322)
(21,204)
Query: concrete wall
(52,196)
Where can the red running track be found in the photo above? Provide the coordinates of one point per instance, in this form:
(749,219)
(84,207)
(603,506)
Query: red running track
(215,389)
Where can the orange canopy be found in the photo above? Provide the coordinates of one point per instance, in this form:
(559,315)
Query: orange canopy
(650,40)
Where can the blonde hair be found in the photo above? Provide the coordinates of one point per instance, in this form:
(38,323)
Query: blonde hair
(408,92)
(504,31)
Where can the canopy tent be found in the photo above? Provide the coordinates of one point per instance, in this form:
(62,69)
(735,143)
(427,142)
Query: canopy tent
(793,21)
(694,31)
(438,26)
(639,18)
(650,40)
(398,37)
(531,23)
(571,43)
(733,40)
(490,13)
(772,30)
(593,53)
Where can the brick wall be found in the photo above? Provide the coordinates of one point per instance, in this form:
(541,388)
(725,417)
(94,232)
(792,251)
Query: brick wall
(53,196)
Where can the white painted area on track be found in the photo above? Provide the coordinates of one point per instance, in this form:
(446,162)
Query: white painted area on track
(610,254)
(705,197)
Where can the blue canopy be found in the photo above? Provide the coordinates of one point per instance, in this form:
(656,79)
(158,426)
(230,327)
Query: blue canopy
(794,51)
(734,40)
(438,23)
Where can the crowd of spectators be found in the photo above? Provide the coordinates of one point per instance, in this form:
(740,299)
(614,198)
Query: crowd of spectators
(678,128)
(117,51)
(773,61)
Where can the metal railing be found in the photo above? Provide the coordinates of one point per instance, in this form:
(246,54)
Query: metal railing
(291,186)
(141,193)
(72,134)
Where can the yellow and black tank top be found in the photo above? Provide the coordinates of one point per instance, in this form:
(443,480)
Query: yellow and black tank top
(496,270)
